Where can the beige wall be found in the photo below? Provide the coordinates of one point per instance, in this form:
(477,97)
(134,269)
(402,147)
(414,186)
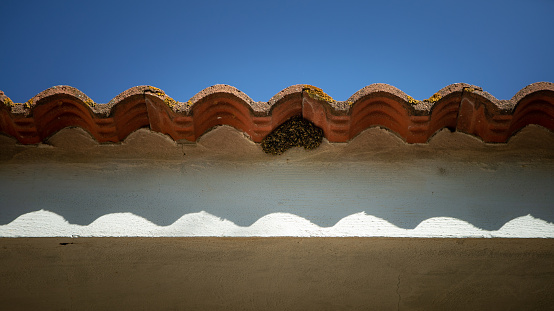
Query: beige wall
(276,274)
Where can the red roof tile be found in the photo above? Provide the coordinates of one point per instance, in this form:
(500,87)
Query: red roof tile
(461,107)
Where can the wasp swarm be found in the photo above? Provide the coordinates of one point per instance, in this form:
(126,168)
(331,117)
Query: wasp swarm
(295,132)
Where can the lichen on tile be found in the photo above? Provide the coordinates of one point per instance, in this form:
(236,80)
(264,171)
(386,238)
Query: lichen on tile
(317,93)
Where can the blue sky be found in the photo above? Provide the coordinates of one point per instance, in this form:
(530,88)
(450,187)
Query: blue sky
(261,47)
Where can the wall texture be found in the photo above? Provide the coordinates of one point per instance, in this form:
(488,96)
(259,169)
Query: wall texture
(276,274)
(376,185)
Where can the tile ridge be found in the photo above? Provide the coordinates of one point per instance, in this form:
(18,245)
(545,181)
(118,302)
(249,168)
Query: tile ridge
(459,106)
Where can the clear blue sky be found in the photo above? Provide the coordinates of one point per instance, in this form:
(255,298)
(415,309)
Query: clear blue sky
(261,47)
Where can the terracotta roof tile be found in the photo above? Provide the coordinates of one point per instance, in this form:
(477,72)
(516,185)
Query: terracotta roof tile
(460,107)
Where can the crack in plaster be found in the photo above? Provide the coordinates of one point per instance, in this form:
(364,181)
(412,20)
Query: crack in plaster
(398,293)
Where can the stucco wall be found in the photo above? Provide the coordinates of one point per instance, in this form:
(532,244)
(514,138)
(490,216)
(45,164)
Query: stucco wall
(375,185)
(276,274)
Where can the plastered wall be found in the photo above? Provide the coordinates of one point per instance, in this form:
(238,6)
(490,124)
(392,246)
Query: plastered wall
(375,185)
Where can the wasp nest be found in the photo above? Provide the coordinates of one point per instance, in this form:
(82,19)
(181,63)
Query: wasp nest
(295,132)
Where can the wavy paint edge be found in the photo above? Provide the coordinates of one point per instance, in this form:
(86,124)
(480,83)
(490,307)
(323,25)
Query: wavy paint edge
(44,223)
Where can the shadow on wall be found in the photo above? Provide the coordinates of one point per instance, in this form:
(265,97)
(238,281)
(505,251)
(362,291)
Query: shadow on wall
(403,194)
(228,176)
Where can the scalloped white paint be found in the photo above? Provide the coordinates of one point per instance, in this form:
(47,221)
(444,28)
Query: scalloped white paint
(47,224)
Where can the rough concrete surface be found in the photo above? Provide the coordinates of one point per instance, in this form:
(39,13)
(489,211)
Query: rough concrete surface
(276,274)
